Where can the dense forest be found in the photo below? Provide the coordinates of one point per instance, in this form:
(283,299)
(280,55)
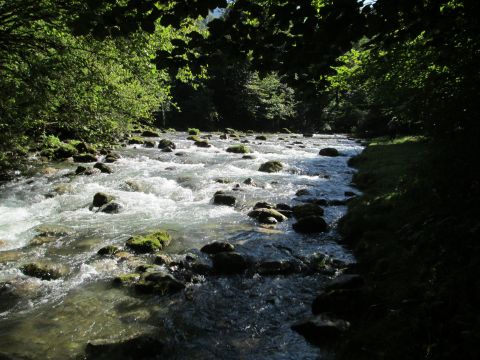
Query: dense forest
(95,71)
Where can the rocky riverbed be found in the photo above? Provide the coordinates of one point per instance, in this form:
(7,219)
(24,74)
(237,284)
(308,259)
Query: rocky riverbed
(195,247)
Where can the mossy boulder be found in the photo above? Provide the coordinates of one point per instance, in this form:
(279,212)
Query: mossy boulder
(238,149)
(100,199)
(159,283)
(149,144)
(149,243)
(111,157)
(193,131)
(271,166)
(310,225)
(150,133)
(65,151)
(44,270)
(166,144)
(136,141)
(126,279)
(305,210)
(202,144)
(194,138)
(332,152)
(108,250)
(85,148)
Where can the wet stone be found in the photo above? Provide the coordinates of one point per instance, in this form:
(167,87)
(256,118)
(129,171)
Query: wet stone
(310,225)
(265,216)
(331,152)
(321,329)
(108,250)
(301,211)
(224,199)
(271,167)
(103,168)
(111,208)
(44,270)
(346,281)
(100,199)
(85,158)
(138,347)
(217,247)
(159,283)
(280,267)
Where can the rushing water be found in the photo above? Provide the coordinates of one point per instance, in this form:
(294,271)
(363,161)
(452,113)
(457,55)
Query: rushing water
(246,317)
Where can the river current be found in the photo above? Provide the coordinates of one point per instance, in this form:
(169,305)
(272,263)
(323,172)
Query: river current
(227,317)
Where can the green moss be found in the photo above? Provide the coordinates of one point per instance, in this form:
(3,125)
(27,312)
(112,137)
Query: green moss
(126,279)
(193,131)
(238,149)
(194,138)
(135,140)
(149,243)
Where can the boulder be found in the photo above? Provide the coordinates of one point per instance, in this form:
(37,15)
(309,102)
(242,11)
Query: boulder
(44,270)
(223,137)
(263,215)
(112,157)
(238,149)
(85,148)
(136,141)
(229,263)
(162,259)
(224,199)
(85,158)
(301,211)
(155,241)
(108,250)
(126,279)
(104,168)
(263,205)
(150,133)
(310,225)
(250,182)
(261,137)
(159,283)
(303,192)
(321,329)
(329,152)
(283,207)
(100,199)
(217,247)
(111,208)
(271,166)
(149,144)
(202,144)
(166,144)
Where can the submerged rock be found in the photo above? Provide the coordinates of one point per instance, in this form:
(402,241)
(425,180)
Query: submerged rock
(332,152)
(229,263)
(321,329)
(310,225)
(44,270)
(163,259)
(217,247)
(279,267)
(159,283)
(271,166)
(303,192)
(111,208)
(238,149)
(103,168)
(263,205)
(149,243)
(221,198)
(100,199)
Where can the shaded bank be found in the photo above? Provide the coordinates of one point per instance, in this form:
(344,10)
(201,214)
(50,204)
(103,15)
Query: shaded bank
(415,233)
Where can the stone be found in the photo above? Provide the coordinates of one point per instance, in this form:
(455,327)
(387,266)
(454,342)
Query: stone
(166,144)
(217,247)
(261,137)
(301,211)
(108,250)
(112,157)
(49,171)
(126,279)
(202,144)
(223,137)
(122,255)
(149,144)
(303,192)
(10,256)
(181,153)
(193,131)
(307,135)
(279,267)
(62,189)
(223,181)
(285,131)
(332,152)
(250,182)
(350,193)
(310,225)
(321,329)
(263,205)
(167,150)
(44,270)
(263,215)
(271,166)
(348,302)
(111,208)
(229,263)
(249,157)
(104,168)
(224,199)
(40,240)
(150,133)
(163,259)
(80,170)
(283,207)
(133,185)
(238,149)
(85,158)
(152,242)
(53,230)
(136,141)
(159,283)
(85,148)
(100,199)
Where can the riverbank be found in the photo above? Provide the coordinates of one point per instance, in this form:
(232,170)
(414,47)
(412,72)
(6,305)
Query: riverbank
(414,233)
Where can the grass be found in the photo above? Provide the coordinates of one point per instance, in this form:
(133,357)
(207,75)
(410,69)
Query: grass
(414,233)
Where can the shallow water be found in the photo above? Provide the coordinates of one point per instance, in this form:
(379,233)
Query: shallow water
(246,317)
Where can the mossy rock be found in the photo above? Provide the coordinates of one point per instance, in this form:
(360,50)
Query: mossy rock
(85,158)
(149,243)
(263,215)
(100,199)
(150,133)
(136,141)
(166,144)
(193,131)
(108,250)
(85,148)
(126,279)
(104,168)
(202,144)
(194,138)
(271,166)
(65,151)
(159,283)
(238,149)
(44,271)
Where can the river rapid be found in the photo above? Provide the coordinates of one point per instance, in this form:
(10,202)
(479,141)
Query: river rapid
(229,317)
